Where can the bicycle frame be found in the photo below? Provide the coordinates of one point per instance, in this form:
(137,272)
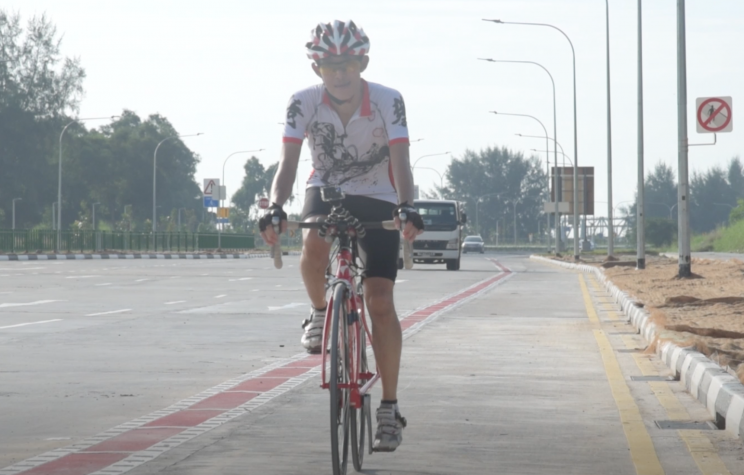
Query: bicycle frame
(355,311)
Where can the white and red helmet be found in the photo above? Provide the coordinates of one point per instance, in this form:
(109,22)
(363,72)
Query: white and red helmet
(339,38)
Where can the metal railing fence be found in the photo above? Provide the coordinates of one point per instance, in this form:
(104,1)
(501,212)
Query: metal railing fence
(36,240)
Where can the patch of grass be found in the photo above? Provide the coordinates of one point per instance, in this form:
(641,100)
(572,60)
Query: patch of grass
(731,239)
(705,242)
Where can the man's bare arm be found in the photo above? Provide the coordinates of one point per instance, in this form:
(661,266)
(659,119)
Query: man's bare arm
(402,174)
(281,187)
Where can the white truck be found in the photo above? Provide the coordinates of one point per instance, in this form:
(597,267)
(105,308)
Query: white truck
(441,240)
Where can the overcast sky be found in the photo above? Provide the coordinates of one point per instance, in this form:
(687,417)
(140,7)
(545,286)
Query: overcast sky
(227,68)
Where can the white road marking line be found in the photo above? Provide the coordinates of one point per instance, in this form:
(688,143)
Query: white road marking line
(31,323)
(38,302)
(400,281)
(242,278)
(101,285)
(109,313)
(254,290)
(278,285)
(205,274)
(30,268)
(175,302)
(290,305)
(220,296)
(80,276)
(58,438)
(141,280)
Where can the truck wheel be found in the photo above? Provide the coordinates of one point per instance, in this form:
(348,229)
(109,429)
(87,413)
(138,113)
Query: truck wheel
(400,263)
(453,264)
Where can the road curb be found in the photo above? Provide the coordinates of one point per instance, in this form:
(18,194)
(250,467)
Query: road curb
(114,256)
(719,391)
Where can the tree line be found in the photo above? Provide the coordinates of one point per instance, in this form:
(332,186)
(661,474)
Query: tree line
(716,199)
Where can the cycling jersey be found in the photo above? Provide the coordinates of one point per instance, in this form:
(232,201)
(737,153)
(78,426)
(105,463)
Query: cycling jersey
(356,157)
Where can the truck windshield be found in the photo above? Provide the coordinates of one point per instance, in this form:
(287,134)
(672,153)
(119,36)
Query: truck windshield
(438,216)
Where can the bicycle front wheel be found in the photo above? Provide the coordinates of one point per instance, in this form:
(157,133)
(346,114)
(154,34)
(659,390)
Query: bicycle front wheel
(358,417)
(339,381)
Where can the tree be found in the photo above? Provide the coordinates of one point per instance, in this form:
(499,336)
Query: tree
(498,179)
(38,88)
(711,199)
(256,182)
(660,192)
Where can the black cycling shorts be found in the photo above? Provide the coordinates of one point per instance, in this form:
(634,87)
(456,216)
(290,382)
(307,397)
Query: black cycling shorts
(379,248)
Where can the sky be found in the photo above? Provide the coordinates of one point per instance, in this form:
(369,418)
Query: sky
(227,69)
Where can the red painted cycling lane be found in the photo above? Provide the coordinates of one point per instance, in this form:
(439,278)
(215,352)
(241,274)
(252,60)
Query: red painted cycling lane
(130,445)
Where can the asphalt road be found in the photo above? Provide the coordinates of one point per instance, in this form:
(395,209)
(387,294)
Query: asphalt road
(513,379)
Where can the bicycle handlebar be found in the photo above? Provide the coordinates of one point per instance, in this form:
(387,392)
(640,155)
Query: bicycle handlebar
(276,249)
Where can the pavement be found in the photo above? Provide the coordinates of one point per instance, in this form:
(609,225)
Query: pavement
(193,367)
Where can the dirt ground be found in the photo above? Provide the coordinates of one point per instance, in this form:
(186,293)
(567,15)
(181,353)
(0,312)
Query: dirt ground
(705,311)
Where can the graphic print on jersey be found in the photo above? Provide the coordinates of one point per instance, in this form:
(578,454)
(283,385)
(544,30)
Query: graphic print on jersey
(399,109)
(293,111)
(339,163)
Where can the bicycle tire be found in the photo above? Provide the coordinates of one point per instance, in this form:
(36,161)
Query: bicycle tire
(359,416)
(339,374)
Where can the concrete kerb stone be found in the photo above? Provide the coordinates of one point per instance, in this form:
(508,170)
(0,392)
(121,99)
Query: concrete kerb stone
(721,392)
(55,257)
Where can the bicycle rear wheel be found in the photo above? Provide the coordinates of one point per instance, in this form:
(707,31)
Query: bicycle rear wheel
(359,416)
(339,375)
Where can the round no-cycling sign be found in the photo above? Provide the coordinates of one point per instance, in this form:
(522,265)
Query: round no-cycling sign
(714,115)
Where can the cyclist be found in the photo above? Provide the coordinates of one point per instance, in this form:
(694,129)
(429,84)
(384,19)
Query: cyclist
(358,138)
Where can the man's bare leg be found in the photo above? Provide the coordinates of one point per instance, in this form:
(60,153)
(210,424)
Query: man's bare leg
(387,338)
(313,264)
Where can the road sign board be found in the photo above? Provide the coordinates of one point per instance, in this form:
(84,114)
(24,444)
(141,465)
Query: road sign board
(714,114)
(223,212)
(563,206)
(263,202)
(211,187)
(223,221)
(209,202)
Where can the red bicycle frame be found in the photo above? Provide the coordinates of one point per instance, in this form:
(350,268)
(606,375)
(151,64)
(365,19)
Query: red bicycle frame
(361,382)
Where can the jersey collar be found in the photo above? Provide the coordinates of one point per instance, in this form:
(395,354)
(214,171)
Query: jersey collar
(366,110)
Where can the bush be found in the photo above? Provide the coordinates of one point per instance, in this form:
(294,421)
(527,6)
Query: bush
(737,214)
(660,232)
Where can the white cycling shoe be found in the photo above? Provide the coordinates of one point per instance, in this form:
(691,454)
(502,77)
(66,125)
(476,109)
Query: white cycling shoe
(390,425)
(312,339)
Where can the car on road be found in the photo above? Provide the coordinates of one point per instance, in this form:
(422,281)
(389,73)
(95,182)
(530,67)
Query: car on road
(473,244)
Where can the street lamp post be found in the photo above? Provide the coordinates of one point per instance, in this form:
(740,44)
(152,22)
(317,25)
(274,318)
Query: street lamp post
(556,245)
(611,232)
(59,175)
(555,134)
(515,223)
(219,228)
(54,218)
(641,218)
(94,215)
(14,200)
(154,180)
(576,141)
(683,187)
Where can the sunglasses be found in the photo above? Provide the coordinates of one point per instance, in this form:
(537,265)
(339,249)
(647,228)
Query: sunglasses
(349,66)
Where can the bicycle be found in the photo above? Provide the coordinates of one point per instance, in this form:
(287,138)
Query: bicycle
(349,378)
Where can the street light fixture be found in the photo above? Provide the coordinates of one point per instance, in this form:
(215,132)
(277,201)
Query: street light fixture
(59,177)
(14,200)
(555,134)
(430,155)
(155,176)
(219,227)
(576,140)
